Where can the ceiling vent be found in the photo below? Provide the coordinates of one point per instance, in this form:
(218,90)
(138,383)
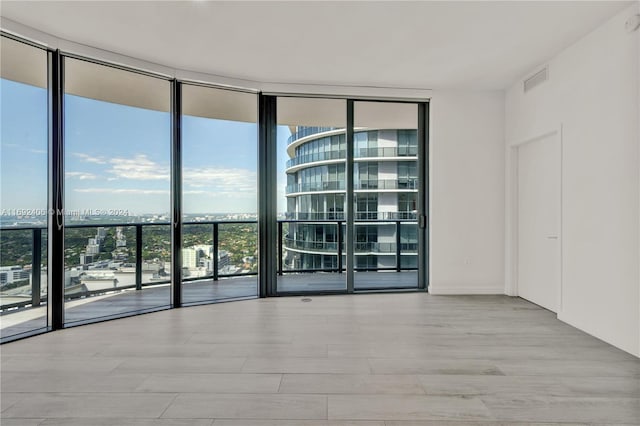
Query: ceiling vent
(536,79)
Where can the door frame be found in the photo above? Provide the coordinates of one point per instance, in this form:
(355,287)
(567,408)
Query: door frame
(268,277)
(512,211)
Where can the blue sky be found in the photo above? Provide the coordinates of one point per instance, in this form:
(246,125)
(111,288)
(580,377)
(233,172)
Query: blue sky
(117,157)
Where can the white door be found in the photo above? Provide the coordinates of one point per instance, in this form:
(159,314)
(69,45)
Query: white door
(539,222)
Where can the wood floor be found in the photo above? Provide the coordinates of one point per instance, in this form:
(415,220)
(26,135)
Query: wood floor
(362,360)
(96,308)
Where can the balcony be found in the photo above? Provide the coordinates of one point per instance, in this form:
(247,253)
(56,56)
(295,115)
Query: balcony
(315,157)
(308,131)
(403,151)
(359,185)
(134,286)
(387,152)
(332,185)
(340,216)
(386,184)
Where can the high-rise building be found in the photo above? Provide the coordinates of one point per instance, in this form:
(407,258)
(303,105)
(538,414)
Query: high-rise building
(11,274)
(189,258)
(92,249)
(385,188)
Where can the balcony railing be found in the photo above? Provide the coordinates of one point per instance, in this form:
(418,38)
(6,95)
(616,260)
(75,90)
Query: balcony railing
(402,151)
(308,131)
(337,248)
(388,152)
(339,185)
(317,156)
(339,215)
(284,241)
(332,185)
(76,291)
(386,184)
(359,247)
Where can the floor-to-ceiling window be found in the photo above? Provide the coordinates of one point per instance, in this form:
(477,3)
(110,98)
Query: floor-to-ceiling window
(219,193)
(117,200)
(23,188)
(385,192)
(311,194)
(350,191)
(356,213)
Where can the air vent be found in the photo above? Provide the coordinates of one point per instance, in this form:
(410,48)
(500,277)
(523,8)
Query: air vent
(536,79)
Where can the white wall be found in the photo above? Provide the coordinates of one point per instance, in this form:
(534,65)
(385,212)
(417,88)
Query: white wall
(467,193)
(593,96)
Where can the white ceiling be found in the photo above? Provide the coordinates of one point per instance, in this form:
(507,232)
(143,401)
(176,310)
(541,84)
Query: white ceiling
(428,45)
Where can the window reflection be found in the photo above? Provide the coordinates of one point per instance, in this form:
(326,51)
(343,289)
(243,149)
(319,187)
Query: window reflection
(117,182)
(23,188)
(219,167)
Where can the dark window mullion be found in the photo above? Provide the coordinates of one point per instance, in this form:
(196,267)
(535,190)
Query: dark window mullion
(176,194)
(55,240)
(350,197)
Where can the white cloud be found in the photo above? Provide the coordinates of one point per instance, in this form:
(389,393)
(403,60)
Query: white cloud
(89,159)
(79,175)
(140,167)
(228,182)
(209,182)
(123,191)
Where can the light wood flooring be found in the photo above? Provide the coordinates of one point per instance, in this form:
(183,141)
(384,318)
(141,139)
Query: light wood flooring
(409,359)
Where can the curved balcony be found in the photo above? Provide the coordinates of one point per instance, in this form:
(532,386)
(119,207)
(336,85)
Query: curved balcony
(331,248)
(386,153)
(361,185)
(303,132)
(391,151)
(315,157)
(316,216)
(143,277)
(332,185)
(339,216)
(316,246)
(385,184)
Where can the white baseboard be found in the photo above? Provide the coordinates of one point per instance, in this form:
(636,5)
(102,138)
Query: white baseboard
(452,289)
(568,320)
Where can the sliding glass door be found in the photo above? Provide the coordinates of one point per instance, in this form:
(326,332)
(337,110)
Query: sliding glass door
(386,187)
(351,195)
(23,188)
(311,192)
(219,193)
(116,175)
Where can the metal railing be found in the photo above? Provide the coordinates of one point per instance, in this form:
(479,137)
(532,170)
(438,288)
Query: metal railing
(399,183)
(339,215)
(317,156)
(386,152)
(337,248)
(331,185)
(339,185)
(308,131)
(36,260)
(285,242)
(402,151)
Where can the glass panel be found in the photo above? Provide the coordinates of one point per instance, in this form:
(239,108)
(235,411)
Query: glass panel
(220,199)
(117,182)
(23,188)
(311,194)
(385,191)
